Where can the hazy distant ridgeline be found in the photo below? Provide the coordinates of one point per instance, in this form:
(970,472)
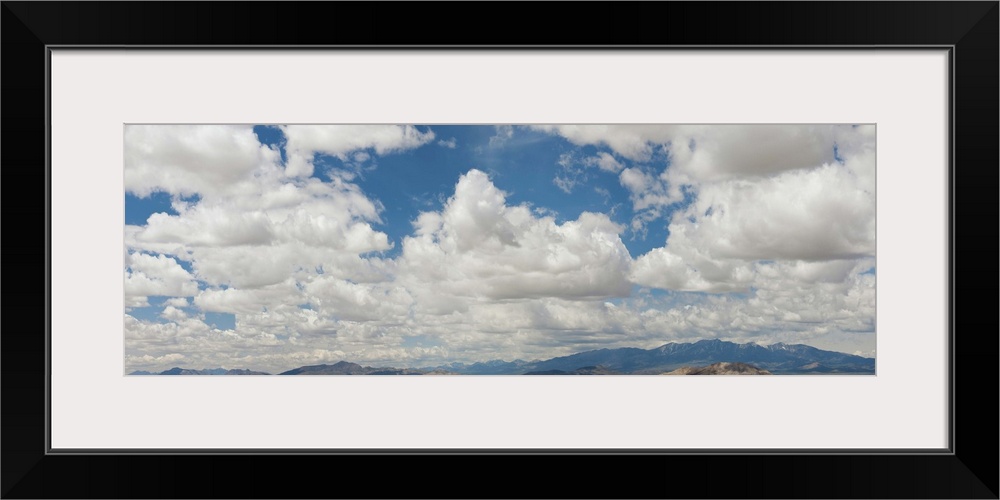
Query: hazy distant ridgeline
(705,357)
(208,371)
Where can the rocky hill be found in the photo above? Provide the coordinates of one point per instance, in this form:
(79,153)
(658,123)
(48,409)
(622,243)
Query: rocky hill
(720,369)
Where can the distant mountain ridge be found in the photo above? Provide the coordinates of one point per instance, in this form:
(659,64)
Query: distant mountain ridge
(348,368)
(208,371)
(584,370)
(778,359)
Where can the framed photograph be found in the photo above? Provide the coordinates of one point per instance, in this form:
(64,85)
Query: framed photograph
(246,207)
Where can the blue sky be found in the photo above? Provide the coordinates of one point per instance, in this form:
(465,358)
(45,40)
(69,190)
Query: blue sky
(420,180)
(267,246)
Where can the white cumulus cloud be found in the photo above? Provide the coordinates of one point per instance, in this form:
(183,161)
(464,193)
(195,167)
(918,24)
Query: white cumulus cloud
(304,141)
(157,275)
(191,159)
(479,246)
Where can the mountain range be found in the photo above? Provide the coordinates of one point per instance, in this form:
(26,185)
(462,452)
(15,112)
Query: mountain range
(208,371)
(348,368)
(705,355)
(777,358)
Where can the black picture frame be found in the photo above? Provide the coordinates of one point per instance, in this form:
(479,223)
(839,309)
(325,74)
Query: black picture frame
(970,29)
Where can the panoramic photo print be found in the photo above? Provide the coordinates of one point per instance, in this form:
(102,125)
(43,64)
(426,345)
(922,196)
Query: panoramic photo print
(410,249)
